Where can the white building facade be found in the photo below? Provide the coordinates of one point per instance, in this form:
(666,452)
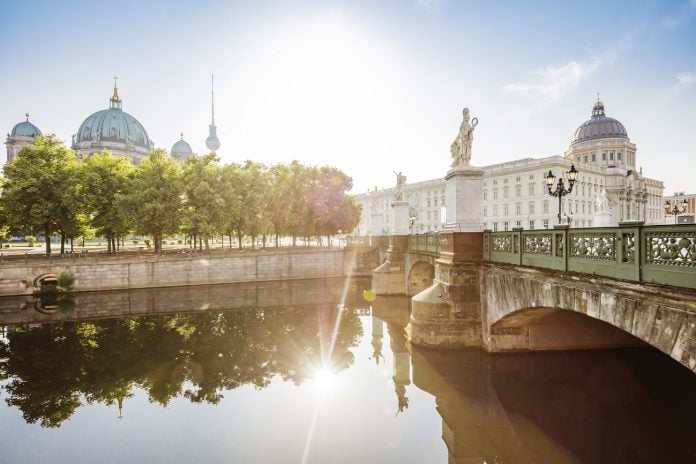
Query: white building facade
(515,193)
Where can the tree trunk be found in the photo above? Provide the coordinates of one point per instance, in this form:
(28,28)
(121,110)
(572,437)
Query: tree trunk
(71,245)
(276,239)
(62,243)
(47,238)
(239,237)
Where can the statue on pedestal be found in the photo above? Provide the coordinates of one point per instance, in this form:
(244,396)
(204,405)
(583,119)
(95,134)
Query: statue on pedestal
(461,147)
(601,201)
(400,186)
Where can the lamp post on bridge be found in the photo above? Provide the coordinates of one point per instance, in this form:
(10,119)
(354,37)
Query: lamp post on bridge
(676,208)
(561,191)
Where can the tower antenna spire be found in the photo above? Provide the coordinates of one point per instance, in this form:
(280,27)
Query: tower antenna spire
(212,97)
(212,142)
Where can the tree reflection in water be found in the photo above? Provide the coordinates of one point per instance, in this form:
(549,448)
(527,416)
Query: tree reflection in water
(54,368)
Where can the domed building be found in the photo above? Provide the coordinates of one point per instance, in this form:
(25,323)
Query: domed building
(115,130)
(603,141)
(181,150)
(608,189)
(23,133)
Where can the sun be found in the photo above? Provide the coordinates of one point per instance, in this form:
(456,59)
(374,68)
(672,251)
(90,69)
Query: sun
(324,379)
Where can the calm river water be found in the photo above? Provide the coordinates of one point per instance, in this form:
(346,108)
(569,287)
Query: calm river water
(308,371)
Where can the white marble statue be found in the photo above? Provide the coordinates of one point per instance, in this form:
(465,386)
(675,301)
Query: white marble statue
(461,147)
(601,201)
(400,186)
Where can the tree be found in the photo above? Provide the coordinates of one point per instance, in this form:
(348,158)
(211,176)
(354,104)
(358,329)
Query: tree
(39,189)
(153,201)
(103,177)
(202,196)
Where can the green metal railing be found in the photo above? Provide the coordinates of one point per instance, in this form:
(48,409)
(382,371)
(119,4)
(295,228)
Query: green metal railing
(424,243)
(649,254)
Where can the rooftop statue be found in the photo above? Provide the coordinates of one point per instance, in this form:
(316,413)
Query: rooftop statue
(461,147)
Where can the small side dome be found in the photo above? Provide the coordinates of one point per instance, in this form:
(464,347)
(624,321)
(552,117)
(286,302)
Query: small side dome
(25,129)
(181,149)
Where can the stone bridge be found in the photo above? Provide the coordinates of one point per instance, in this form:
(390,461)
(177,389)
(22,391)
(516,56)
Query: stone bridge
(549,290)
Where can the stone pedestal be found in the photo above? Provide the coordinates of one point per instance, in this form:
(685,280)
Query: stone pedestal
(400,222)
(390,277)
(602,219)
(464,199)
(377,224)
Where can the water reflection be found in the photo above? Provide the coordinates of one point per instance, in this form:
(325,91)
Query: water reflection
(54,368)
(619,406)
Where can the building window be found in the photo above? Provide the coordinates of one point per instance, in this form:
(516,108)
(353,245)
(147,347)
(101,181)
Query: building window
(518,191)
(531,176)
(506,225)
(428,202)
(546,206)
(546,223)
(577,158)
(518,208)
(611,156)
(618,156)
(495,182)
(428,215)
(434,201)
(506,192)
(518,224)
(585,158)
(594,157)
(531,225)
(531,190)
(531,208)
(495,210)
(485,212)
(604,156)
(495,227)
(506,208)
(485,195)
(485,225)
(505,181)
(495,194)
(518,178)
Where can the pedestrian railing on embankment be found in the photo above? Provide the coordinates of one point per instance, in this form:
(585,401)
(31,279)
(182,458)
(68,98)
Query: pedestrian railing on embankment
(648,254)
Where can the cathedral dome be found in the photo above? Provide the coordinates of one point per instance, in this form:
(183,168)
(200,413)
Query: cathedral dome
(113,125)
(599,126)
(25,129)
(181,149)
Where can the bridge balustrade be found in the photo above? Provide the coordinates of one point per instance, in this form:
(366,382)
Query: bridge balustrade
(424,243)
(649,254)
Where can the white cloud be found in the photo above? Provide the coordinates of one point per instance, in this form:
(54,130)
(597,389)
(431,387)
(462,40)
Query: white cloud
(429,6)
(686,77)
(554,82)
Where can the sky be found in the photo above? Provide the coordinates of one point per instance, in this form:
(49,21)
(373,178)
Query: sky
(370,87)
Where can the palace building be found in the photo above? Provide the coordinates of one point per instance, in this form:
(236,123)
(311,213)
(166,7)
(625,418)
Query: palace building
(515,193)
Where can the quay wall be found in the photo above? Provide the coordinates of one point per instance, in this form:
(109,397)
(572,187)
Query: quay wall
(151,271)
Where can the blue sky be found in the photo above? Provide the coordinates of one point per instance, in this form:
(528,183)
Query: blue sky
(370,87)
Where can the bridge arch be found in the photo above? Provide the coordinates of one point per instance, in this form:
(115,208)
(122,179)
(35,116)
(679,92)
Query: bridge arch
(518,301)
(420,277)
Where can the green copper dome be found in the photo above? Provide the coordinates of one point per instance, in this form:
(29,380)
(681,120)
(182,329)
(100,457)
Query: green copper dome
(181,149)
(113,125)
(25,129)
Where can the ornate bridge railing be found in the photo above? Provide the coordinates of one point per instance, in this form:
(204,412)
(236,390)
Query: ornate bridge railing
(649,254)
(424,243)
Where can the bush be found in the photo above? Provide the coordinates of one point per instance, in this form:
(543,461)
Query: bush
(30,240)
(66,280)
(147,242)
(135,242)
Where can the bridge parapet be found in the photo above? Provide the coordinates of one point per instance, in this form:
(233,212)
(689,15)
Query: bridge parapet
(424,243)
(663,255)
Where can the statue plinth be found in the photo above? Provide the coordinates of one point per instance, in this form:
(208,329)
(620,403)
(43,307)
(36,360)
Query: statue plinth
(464,199)
(400,222)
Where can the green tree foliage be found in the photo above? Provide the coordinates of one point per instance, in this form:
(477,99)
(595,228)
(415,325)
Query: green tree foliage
(202,196)
(153,198)
(103,177)
(39,191)
(197,356)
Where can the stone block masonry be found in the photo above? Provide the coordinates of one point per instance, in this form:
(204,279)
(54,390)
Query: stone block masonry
(170,271)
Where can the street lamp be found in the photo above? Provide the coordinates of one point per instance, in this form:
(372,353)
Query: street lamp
(411,222)
(561,191)
(675,208)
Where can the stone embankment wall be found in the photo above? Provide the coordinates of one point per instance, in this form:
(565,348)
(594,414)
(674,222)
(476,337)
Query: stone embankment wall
(169,271)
